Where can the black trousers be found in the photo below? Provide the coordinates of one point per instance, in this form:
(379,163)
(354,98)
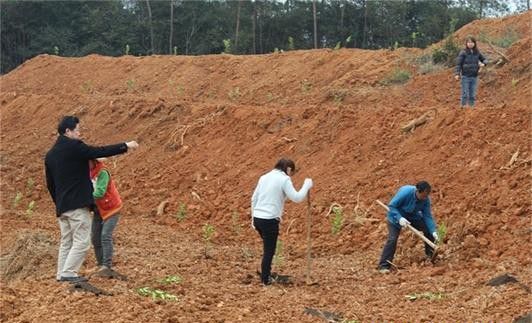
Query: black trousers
(393,235)
(269,231)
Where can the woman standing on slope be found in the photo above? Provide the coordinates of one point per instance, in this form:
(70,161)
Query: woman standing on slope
(267,206)
(468,64)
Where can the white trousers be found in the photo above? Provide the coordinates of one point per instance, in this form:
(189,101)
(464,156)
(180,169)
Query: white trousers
(75,228)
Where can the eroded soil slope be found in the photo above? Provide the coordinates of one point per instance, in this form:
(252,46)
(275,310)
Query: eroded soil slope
(209,126)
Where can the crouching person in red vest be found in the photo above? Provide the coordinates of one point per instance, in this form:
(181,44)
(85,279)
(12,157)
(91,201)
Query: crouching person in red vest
(106,215)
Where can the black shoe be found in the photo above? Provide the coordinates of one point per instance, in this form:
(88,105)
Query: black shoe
(73,280)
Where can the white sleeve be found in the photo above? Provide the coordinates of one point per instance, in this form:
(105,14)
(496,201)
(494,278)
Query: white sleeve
(255,197)
(292,194)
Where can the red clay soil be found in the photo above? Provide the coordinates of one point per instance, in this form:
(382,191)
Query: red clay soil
(209,126)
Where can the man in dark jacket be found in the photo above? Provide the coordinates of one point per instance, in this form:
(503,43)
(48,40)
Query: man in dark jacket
(69,184)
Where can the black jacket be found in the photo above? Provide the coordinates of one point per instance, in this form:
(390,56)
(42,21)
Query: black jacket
(67,172)
(467,63)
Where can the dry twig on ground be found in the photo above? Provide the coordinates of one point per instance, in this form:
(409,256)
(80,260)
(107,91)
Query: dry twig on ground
(411,125)
(180,130)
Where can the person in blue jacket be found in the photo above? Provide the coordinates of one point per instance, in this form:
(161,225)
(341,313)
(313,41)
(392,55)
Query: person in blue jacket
(410,205)
(468,64)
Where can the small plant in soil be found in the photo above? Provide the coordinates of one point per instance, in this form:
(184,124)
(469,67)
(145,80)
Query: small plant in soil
(442,233)
(305,86)
(182,212)
(17,199)
(337,220)
(30,208)
(338,95)
(208,232)
(130,85)
(172,280)
(397,76)
(30,185)
(156,294)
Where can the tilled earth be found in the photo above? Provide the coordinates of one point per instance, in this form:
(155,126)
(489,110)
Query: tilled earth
(209,126)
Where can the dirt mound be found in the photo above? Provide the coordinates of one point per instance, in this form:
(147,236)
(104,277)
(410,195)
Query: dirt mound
(516,26)
(209,126)
(32,254)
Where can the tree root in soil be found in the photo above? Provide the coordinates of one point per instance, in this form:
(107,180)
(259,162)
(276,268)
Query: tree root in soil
(177,137)
(162,207)
(411,125)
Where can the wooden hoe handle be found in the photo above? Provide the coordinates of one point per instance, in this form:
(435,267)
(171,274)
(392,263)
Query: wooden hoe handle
(309,237)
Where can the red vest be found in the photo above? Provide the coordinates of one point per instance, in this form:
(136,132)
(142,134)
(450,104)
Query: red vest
(111,202)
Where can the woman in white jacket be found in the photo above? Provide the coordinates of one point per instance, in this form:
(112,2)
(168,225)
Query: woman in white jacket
(267,206)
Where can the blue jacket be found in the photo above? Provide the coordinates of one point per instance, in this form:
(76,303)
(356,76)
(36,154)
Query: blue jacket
(405,204)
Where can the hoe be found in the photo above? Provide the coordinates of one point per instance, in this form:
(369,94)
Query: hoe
(418,233)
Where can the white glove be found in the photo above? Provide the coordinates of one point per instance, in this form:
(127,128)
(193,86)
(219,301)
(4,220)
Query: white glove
(435,235)
(132,144)
(403,222)
(308,182)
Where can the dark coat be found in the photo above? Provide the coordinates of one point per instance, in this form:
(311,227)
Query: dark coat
(467,63)
(67,172)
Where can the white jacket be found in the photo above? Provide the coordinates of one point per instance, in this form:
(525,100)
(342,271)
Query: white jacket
(271,192)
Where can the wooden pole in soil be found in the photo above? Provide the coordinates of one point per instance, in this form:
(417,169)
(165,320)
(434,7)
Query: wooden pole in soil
(309,239)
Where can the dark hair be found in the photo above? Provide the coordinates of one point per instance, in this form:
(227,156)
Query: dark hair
(471,38)
(68,122)
(283,164)
(423,186)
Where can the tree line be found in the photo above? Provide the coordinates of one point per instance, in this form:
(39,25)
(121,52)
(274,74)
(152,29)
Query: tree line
(178,27)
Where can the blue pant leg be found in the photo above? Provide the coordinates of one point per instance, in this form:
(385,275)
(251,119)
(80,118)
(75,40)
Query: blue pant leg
(96,237)
(472,91)
(464,90)
(388,251)
(109,226)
